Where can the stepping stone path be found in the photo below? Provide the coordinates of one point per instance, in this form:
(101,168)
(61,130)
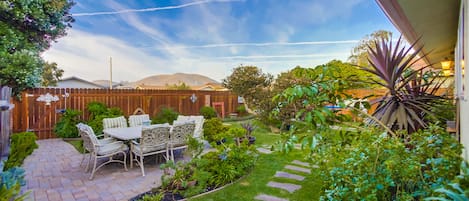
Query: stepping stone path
(285,186)
(289,176)
(265,197)
(299,169)
(297,162)
(264,150)
(298,166)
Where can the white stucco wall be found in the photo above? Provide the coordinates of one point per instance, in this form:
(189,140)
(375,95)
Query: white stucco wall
(74,84)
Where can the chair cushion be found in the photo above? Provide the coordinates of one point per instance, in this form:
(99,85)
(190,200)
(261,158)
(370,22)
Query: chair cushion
(111,148)
(148,149)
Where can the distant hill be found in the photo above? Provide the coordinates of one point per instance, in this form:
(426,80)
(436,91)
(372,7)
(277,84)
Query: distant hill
(166,79)
(105,83)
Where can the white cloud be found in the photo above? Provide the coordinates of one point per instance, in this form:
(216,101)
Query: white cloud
(87,55)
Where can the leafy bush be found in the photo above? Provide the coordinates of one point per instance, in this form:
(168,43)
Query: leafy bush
(208,112)
(378,167)
(22,145)
(66,126)
(99,111)
(10,184)
(166,115)
(214,169)
(214,129)
(241,110)
(458,189)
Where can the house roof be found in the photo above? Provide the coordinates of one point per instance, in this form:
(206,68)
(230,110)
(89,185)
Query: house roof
(435,22)
(81,80)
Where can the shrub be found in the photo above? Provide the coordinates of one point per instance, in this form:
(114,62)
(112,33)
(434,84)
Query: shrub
(99,111)
(167,115)
(208,112)
(65,127)
(22,145)
(377,167)
(214,169)
(10,184)
(214,129)
(241,110)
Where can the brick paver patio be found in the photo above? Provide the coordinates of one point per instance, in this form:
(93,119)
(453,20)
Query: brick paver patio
(53,172)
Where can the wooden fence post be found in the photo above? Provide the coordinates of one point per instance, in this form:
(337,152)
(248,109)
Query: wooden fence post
(5,124)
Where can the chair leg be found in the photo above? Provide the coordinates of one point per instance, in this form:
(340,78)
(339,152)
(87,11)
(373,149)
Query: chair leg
(94,168)
(141,165)
(125,161)
(167,155)
(172,155)
(131,159)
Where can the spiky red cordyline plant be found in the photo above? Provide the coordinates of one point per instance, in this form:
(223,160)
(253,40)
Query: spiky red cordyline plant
(410,95)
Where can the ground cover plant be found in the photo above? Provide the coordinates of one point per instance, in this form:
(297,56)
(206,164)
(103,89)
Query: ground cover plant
(203,173)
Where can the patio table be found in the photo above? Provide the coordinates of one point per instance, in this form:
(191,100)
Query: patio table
(128,133)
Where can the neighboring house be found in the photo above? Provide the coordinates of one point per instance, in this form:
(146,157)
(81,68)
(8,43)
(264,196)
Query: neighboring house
(210,87)
(75,82)
(205,87)
(443,29)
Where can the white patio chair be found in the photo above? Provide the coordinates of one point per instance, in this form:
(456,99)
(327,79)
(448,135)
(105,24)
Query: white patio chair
(179,135)
(98,150)
(116,122)
(87,146)
(199,123)
(137,120)
(154,140)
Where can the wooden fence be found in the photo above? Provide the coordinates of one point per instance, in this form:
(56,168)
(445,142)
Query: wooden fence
(31,114)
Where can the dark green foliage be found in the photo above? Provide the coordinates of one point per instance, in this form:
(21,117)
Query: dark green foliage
(11,181)
(379,167)
(66,126)
(99,111)
(411,93)
(27,29)
(214,169)
(457,190)
(252,84)
(22,145)
(166,115)
(208,112)
(214,130)
(444,110)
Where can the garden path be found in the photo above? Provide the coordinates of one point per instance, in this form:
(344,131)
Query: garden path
(53,172)
(295,166)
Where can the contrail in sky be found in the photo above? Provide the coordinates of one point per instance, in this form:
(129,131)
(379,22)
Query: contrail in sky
(262,44)
(152,9)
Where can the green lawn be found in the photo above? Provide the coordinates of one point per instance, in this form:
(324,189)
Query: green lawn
(256,182)
(78,144)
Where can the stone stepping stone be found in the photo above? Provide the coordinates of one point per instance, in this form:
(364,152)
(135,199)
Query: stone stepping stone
(285,186)
(289,176)
(299,169)
(297,162)
(265,197)
(264,150)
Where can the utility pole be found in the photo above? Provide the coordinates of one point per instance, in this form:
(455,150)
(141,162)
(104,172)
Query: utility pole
(110,72)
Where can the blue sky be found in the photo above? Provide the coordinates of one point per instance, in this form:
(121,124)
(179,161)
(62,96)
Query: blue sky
(210,37)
